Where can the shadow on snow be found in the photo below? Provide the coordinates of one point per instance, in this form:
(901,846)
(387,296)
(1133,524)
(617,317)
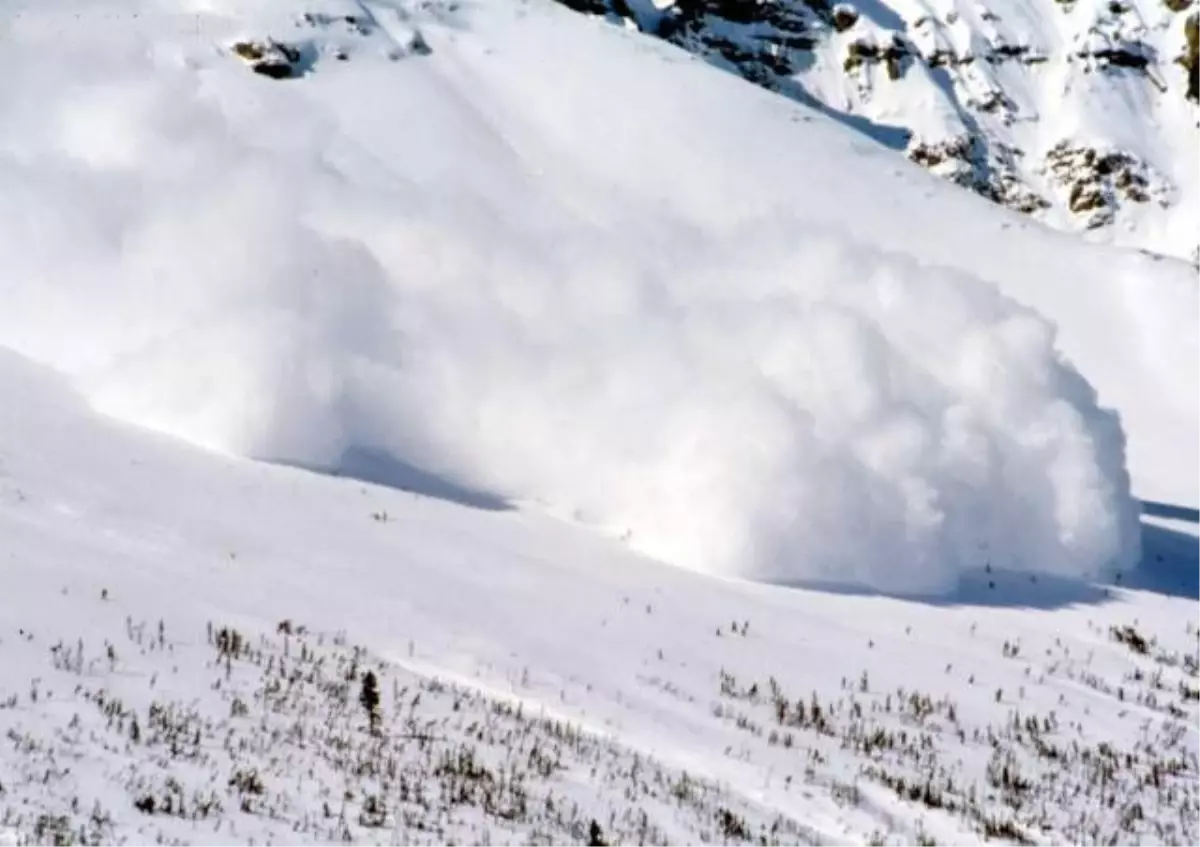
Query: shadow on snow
(378,468)
(1170,566)
(1170,558)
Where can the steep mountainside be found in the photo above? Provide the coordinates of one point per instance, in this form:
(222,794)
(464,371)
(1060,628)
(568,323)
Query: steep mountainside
(1082,113)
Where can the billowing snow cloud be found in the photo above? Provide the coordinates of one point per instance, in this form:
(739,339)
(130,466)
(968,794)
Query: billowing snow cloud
(775,402)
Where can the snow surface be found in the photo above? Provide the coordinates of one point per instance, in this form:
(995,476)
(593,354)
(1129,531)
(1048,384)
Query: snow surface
(125,553)
(564,280)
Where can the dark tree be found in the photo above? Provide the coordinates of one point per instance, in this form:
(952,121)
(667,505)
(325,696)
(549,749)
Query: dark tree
(595,835)
(369,698)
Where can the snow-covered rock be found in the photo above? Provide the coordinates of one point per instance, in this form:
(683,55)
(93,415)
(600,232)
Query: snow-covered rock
(986,94)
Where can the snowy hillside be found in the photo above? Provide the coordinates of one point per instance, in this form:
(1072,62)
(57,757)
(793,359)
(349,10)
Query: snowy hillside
(683,465)
(1081,113)
(184,639)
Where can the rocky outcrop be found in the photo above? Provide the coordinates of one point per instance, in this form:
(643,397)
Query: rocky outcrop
(966,162)
(1098,182)
(960,89)
(1188,59)
(893,55)
(762,42)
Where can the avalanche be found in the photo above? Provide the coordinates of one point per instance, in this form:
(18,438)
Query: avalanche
(531,291)
(398,255)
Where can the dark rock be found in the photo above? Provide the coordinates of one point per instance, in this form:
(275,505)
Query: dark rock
(966,161)
(270,58)
(1007,51)
(843,18)
(1120,58)
(589,7)
(860,52)
(1189,60)
(1097,180)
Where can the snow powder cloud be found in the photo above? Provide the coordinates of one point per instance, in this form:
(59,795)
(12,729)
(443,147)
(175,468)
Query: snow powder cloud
(780,402)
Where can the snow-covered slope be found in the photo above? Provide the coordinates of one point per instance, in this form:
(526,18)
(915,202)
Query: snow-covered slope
(184,640)
(184,637)
(1082,113)
(610,307)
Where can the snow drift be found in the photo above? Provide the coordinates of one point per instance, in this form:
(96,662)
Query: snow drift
(210,255)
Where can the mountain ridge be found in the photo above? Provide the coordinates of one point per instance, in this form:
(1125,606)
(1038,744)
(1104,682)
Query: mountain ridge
(1082,114)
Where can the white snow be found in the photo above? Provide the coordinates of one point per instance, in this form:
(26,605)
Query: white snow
(562,275)
(112,536)
(1018,76)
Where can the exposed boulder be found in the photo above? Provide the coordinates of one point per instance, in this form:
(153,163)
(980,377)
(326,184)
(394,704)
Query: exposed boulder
(894,56)
(1134,55)
(269,58)
(843,18)
(1189,60)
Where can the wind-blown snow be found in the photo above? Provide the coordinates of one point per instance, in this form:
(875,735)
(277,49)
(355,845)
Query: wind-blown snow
(374,262)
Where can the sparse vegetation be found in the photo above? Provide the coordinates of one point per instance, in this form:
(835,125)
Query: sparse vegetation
(441,762)
(1040,777)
